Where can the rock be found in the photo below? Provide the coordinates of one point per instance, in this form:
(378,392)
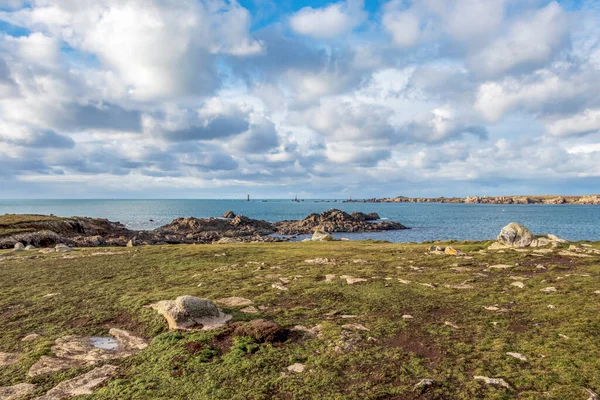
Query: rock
(234,301)
(249,310)
(128,342)
(492,381)
(336,221)
(321,236)
(497,246)
(297,368)
(451,251)
(329,278)
(262,331)
(187,312)
(279,286)
(131,243)
(556,239)
(550,289)
(518,356)
(227,240)
(407,316)
(16,392)
(228,215)
(423,384)
(515,235)
(460,287)
(593,395)
(81,385)
(62,248)
(47,365)
(19,246)
(500,266)
(31,337)
(355,327)
(520,285)
(30,247)
(321,261)
(350,280)
(452,325)
(8,359)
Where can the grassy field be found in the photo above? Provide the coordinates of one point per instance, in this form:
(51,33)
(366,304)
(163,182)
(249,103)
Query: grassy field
(450,338)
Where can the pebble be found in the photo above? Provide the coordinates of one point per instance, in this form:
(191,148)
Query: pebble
(407,316)
(450,324)
(279,286)
(520,285)
(549,289)
(297,368)
(492,381)
(518,356)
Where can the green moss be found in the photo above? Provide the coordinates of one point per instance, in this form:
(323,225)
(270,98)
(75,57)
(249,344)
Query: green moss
(97,292)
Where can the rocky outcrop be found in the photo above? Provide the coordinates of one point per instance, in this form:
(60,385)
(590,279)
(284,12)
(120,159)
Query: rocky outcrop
(591,199)
(16,392)
(229,215)
(336,221)
(188,312)
(94,232)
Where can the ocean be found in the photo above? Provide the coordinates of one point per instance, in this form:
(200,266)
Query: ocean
(429,221)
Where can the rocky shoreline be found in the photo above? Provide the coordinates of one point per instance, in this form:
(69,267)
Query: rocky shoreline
(49,231)
(588,199)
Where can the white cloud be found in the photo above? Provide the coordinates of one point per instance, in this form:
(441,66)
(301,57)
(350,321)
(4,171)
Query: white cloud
(330,21)
(579,124)
(531,40)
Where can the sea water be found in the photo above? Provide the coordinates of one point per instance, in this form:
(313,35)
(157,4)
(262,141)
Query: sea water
(429,221)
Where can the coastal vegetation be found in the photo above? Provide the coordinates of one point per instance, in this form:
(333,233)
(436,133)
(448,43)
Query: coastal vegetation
(353,320)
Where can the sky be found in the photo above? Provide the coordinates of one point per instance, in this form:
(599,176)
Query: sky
(323,99)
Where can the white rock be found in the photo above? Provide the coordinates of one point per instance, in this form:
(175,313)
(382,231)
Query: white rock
(518,356)
(407,316)
(549,289)
(297,368)
(492,381)
(279,286)
(520,285)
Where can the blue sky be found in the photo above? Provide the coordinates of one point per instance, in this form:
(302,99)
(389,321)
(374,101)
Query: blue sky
(218,98)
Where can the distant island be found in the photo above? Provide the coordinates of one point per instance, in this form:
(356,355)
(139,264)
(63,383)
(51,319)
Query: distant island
(545,199)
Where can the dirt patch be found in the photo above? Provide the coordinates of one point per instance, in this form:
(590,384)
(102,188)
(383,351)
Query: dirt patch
(79,322)
(262,331)
(417,343)
(125,320)
(195,347)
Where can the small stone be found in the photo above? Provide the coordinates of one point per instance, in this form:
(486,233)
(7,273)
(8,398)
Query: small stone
(520,285)
(234,301)
(329,278)
(404,281)
(31,337)
(249,310)
(492,381)
(563,336)
(518,356)
(321,261)
(350,280)
(296,368)
(407,316)
(450,324)
(19,246)
(423,384)
(355,327)
(279,286)
(500,266)
(597,292)
(62,248)
(460,287)
(550,306)
(549,289)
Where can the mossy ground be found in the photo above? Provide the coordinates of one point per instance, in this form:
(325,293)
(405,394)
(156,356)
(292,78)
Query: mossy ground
(97,292)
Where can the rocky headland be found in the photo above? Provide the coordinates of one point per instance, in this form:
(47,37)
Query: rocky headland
(589,199)
(46,231)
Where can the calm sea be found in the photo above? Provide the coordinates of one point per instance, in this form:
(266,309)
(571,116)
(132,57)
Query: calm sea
(428,221)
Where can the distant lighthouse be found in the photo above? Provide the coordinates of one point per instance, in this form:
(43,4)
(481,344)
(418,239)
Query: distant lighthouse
(248,197)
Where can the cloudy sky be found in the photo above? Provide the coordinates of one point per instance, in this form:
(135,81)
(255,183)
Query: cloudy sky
(220,98)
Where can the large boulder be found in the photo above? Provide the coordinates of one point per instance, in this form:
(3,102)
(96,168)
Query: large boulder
(229,215)
(187,312)
(321,236)
(516,235)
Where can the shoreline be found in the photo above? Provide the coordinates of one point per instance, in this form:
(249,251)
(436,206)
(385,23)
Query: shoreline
(504,200)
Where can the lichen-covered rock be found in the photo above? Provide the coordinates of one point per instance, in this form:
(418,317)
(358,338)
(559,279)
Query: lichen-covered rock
(234,301)
(515,235)
(81,385)
(16,392)
(188,312)
(8,358)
